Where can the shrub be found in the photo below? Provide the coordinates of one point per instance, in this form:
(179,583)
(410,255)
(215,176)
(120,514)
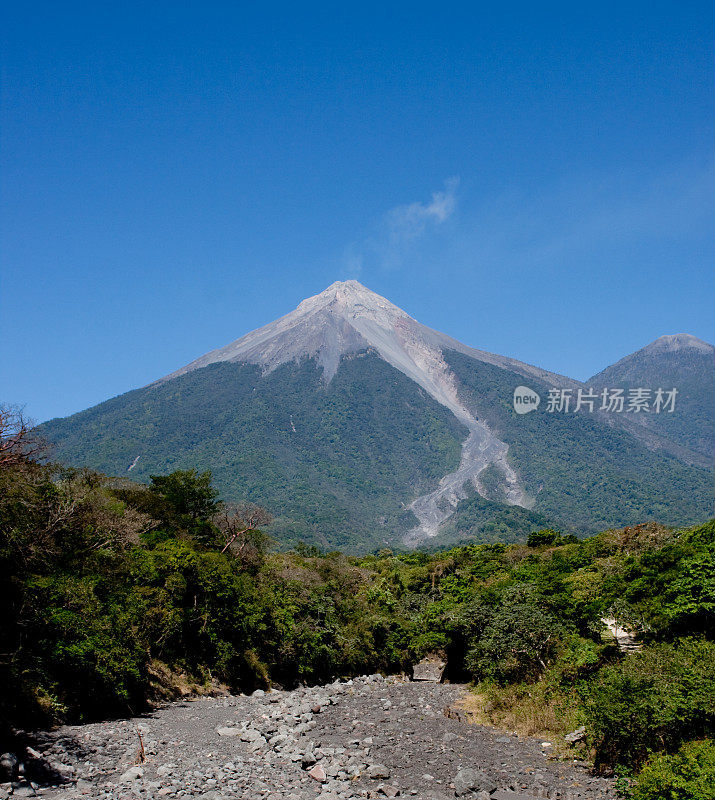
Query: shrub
(543,537)
(687,775)
(652,700)
(514,641)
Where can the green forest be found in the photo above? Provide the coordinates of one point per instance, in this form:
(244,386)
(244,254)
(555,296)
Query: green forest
(339,463)
(581,472)
(118,594)
(336,464)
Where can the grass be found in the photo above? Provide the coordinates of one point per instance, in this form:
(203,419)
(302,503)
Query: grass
(526,710)
(169,684)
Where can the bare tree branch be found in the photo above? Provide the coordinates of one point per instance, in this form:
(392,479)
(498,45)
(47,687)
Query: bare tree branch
(19,440)
(238,523)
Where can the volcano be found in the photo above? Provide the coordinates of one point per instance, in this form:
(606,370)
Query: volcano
(359,427)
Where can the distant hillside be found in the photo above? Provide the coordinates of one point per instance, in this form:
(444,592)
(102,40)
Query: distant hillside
(360,428)
(337,464)
(579,470)
(681,362)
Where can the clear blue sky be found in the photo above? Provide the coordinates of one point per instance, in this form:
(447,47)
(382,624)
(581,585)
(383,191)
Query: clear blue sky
(534,179)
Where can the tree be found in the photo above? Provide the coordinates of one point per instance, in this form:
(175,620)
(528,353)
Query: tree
(239,525)
(515,639)
(690,597)
(543,537)
(188,493)
(653,700)
(689,774)
(19,442)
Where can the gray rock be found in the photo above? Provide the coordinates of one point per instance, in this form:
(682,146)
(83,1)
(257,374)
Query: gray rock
(24,791)
(66,770)
(429,669)
(34,755)
(377,771)
(470,781)
(9,764)
(318,773)
(225,731)
(132,774)
(576,736)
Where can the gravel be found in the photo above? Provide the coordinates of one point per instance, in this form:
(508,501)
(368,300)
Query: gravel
(371,737)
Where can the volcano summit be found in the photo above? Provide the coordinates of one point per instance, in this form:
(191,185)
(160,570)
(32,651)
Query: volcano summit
(359,427)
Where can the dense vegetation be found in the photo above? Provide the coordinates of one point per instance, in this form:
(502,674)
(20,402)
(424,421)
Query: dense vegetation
(115,592)
(339,464)
(477,519)
(690,371)
(582,473)
(336,464)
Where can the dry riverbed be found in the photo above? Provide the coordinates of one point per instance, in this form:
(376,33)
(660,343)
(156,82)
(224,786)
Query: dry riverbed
(368,738)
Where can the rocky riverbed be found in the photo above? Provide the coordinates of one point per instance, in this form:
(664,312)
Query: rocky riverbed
(372,737)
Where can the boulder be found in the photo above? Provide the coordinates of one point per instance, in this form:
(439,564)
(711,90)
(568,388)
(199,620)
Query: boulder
(9,764)
(576,736)
(377,771)
(250,735)
(318,773)
(225,731)
(132,774)
(429,669)
(470,781)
